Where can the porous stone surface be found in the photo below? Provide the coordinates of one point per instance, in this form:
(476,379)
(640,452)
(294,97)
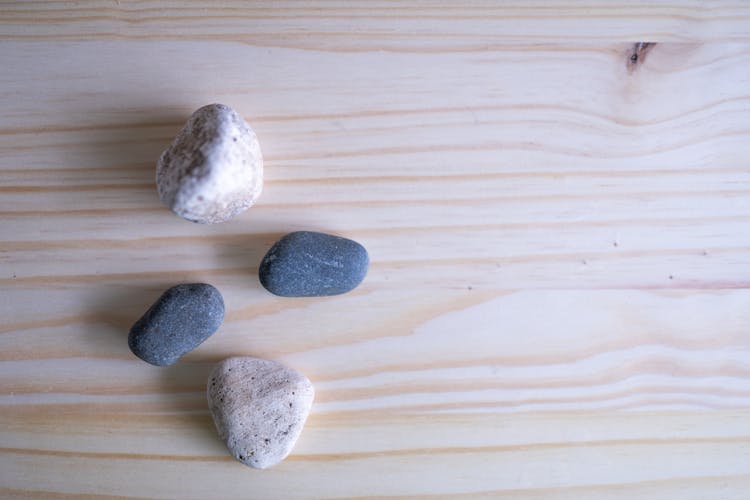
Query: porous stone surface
(178,322)
(213,170)
(259,408)
(311,264)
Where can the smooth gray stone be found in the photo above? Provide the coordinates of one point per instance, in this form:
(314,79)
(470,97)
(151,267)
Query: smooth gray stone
(310,264)
(182,318)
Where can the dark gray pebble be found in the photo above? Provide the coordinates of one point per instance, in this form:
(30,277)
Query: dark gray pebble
(182,318)
(309,264)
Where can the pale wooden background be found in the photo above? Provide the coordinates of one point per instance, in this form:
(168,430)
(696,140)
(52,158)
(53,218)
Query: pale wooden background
(559,299)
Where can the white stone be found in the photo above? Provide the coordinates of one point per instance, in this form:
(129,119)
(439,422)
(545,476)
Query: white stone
(259,408)
(214,168)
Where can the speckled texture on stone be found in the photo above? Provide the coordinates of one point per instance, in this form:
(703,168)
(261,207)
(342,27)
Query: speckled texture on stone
(178,322)
(259,408)
(214,168)
(310,264)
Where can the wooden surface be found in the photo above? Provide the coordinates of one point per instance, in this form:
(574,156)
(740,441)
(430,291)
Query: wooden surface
(559,299)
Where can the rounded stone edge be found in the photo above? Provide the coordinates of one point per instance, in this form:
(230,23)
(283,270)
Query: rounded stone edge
(154,361)
(169,199)
(218,367)
(263,264)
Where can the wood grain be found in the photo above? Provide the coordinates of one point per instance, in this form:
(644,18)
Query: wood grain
(559,299)
(423,25)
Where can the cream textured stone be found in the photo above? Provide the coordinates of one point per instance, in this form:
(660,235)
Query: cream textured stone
(214,168)
(259,408)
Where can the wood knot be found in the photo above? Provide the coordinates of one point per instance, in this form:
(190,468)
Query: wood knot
(637,54)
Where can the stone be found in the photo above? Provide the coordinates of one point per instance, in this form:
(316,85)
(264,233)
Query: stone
(259,408)
(310,264)
(178,322)
(214,168)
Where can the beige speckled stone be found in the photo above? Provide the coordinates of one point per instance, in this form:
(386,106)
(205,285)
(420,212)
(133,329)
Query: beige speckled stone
(259,408)
(214,168)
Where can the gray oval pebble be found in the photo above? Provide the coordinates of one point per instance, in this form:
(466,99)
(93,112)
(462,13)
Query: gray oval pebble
(310,264)
(178,322)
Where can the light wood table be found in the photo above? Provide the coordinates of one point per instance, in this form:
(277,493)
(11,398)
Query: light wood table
(559,299)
